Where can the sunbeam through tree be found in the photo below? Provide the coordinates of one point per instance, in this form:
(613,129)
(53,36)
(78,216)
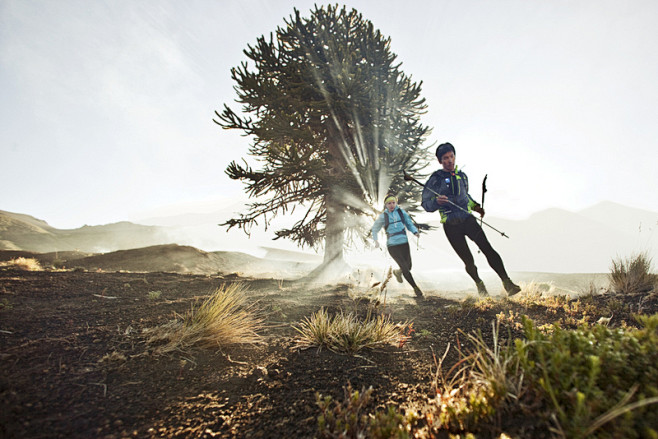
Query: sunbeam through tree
(335,122)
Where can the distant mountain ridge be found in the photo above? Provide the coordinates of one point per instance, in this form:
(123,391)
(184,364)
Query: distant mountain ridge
(586,241)
(171,258)
(553,240)
(23,232)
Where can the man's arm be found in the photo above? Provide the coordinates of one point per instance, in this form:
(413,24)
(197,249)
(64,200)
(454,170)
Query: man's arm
(429,198)
(472,204)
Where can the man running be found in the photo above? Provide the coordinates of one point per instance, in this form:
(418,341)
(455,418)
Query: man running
(452,185)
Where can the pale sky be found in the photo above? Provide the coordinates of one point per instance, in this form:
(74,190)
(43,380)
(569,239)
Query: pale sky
(106,106)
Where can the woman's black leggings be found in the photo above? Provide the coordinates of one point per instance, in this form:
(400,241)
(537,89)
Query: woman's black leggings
(457,233)
(401,254)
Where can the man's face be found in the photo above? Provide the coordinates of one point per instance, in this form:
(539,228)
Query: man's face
(448,161)
(391,205)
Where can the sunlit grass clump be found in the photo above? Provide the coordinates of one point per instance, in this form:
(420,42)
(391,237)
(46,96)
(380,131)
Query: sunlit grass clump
(347,333)
(26,264)
(632,275)
(224,318)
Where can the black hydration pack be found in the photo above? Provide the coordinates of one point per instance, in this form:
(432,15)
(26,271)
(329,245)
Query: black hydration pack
(387,222)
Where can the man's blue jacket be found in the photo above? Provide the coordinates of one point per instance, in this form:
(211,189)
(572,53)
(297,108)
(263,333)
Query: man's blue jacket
(454,185)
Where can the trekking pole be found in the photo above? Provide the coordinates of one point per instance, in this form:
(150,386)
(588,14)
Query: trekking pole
(484,191)
(408,177)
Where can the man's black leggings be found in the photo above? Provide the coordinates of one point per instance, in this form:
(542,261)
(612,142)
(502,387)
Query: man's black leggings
(401,254)
(457,233)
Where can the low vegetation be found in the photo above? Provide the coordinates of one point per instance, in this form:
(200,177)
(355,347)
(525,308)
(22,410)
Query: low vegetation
(350,418)
(568,384)
(592,380)
(632,275)
(347,333)
(585,367)
(27,264)
(224,318)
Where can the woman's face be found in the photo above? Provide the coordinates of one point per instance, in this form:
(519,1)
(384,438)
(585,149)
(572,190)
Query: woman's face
(390,205)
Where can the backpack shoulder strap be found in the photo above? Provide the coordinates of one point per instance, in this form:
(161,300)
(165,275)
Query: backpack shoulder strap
(387,220)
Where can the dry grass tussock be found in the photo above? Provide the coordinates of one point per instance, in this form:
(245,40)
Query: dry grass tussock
(347,332)
(632,275)
(27,264)
(486,378)
(224,318)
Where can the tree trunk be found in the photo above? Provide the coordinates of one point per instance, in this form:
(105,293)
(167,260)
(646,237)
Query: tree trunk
(334,231)
(333,265)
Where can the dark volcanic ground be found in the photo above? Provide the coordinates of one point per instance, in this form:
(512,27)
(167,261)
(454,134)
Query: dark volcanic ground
(75,362)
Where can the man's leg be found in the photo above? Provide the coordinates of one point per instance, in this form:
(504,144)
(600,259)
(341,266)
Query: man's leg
(457,239)
(475,232)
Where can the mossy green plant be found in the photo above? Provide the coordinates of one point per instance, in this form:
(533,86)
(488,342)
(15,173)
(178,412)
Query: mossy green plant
(584,377)
(351,419)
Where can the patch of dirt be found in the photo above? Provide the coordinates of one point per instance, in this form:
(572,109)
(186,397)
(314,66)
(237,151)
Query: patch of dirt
(75,362)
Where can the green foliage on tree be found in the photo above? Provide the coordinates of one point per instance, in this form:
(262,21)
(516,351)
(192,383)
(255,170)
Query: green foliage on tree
(335,121)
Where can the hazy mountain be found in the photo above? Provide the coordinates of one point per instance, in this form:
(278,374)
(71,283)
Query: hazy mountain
(23,232)
(625,219)
(553,240)
(170,258)
(586,241)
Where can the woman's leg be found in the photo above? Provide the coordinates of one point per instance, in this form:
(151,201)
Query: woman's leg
(402,256)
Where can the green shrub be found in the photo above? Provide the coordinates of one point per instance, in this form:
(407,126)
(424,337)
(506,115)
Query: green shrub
(592,382)
(350,419)
(583,377)
(571,382)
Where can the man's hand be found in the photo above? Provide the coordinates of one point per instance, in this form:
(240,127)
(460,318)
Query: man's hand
(479,210)
(441,199)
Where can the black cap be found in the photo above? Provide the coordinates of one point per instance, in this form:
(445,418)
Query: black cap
(444,148)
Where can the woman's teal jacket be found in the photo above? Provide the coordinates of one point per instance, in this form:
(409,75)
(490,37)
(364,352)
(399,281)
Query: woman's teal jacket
(398,220)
